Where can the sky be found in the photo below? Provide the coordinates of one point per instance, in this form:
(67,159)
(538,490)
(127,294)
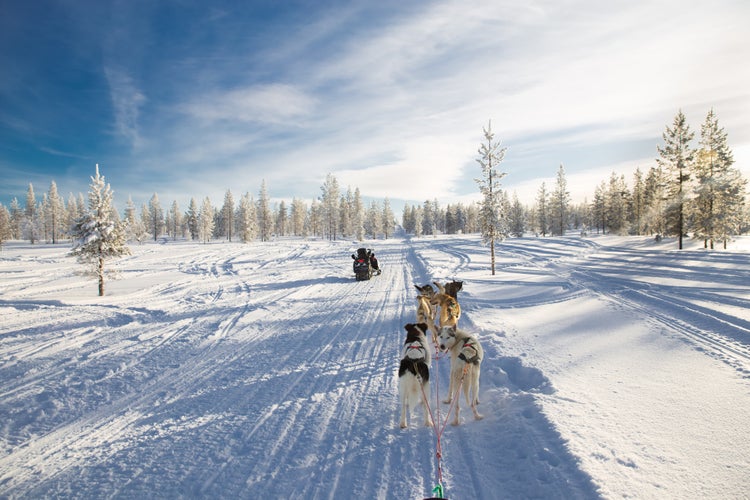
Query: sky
(189,99)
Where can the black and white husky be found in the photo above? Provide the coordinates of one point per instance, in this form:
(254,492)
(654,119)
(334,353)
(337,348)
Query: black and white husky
(414,373)
(466,359)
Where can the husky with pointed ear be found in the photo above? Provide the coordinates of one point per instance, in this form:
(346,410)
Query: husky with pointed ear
(414,373)
(450,310)
(466,359)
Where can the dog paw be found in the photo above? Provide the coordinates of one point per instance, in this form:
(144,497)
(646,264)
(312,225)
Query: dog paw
(455,423)
(429,423)
(477,416)
(402,425)
(447,401)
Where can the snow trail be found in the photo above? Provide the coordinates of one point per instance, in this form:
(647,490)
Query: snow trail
(231,371)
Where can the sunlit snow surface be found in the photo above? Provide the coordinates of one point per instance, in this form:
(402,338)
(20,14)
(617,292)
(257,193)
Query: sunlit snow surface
(614,367)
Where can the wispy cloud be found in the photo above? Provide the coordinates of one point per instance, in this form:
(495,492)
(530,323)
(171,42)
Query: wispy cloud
(266,104)
(127,100)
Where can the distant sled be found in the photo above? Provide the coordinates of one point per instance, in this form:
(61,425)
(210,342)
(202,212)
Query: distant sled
(363,268)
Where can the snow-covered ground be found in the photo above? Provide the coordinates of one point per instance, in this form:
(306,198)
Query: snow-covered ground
(614,368)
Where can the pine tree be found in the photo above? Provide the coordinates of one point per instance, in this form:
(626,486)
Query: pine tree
(5,231)
(265,218)
(156,216)
(491,216)
(191,219)
(542,215)
(99,235)
(297,217)
(715,193)
(31,220)
(175,220)
(676,157)
(330,205)
(560,203)
(616,204)
(55,213)
(16,219)
(389,220)
(247,224)
(206,221)
(517,218)
(227,215)
(638,199)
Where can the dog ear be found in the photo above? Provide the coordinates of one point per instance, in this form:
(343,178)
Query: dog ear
(409,327)
(423,327)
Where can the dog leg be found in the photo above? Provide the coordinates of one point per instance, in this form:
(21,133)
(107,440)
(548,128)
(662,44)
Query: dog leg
(427,418)
(404,409)
(402,423)
(475,391)
(450,390)
(456,382)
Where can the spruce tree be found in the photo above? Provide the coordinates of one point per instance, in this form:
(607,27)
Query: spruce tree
(492,218)
(98,234)
(676,157)
(560,203)
(715,190)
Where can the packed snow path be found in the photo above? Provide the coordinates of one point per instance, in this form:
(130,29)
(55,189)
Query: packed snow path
(238,371)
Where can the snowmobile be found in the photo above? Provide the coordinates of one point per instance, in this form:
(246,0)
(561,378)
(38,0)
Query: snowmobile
(363,268)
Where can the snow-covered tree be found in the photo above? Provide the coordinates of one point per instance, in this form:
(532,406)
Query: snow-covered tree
(227,216)
(31,218)
(374,220)
(517,218)
(247,224)
(492,219)
(5,231)
(330,204)
(541,210)
(206,221)
(156,216)
(191,219)
(560,203)
(16,219)
(298,217)
(676,157)
(174,220)
(98,234)
(282,218)
(263,214)
(616,204)
(315,218)
(389,220)
(54,213)
(717,193)
(638,199)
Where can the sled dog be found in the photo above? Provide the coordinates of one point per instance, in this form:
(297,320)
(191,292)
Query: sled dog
(414,373)
(452,288)
(426,315)
(425,290)
(466,358)
(450,310)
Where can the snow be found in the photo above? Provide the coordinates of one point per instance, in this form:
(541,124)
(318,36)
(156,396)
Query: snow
(614,368)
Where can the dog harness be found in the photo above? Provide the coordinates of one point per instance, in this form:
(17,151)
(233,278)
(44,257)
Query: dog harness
(469,353)
(415,351)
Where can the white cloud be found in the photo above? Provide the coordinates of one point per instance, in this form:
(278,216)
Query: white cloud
(126,102)
(268,104)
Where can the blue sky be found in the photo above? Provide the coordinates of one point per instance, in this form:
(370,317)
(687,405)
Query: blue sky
(189,99)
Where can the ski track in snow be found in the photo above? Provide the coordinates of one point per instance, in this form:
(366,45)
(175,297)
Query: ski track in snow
(239,371)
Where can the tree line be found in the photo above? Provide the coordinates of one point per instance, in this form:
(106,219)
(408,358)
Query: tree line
(690,190)
(334,214)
